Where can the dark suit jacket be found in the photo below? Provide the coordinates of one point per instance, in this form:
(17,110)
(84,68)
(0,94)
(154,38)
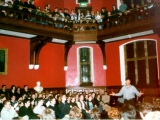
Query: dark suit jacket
(57,111)
(4,93)
(64,108)
(27,111)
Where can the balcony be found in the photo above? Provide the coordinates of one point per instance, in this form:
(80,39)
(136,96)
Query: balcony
(47,27)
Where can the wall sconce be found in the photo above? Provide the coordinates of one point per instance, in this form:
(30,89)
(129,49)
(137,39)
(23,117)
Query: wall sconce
(104,67)
(32,66)
(65,68)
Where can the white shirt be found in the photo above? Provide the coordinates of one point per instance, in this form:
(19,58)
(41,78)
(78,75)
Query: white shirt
(38,109)
(8,114)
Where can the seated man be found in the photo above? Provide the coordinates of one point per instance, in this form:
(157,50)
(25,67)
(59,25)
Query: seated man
(105,101)
(82,105)
(27,110)
(2,99)
(39,108)
(14,102)
(3,91)
(105,98)
(55,108)
(8,113)
(155,115)
(145,108)
(64,106)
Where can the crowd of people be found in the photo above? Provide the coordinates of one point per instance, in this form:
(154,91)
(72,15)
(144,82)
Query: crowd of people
(73,16)
(23,104)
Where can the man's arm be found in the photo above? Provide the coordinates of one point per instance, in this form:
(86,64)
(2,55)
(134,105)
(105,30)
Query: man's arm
(120,92)
(137,92)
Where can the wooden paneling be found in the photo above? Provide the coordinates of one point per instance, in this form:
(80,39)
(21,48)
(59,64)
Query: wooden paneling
(86,89)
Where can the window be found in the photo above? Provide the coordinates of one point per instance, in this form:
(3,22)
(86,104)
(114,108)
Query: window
(85,68)
(141,62)
(3,61)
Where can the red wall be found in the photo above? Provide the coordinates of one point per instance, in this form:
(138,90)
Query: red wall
(71,4)
(51,72)
(113,77)
(99,72)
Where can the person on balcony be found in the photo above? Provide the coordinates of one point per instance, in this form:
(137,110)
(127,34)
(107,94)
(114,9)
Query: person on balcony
(33,7)
(123,6)
(61,14)
(104,14)
(115,12)
(55,12)
(17,4)
(26,9)
(27,5)
(88,15)
(66,14)
(98,18)
(73,15)
(78,14)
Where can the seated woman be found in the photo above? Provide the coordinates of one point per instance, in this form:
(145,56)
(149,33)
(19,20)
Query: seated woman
(48,114)
(95,114)
(38,88)
(75,113)
(114,113)
(73,15)
(98,18)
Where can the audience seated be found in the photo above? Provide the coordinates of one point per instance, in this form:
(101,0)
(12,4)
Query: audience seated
(104,14)
(12,91)
(145,108)
(48,114)
(90,103)
(27,110)
(39,108)
(3,91)
(75,113)
(128,112)
(123,6)
(73,106)
(8,112)
(55,108)
(2,99)
(95,114)
(13,101)
(26,91)
(155,115)
(114,113)
(18,93)
(64,106)
(65,20)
